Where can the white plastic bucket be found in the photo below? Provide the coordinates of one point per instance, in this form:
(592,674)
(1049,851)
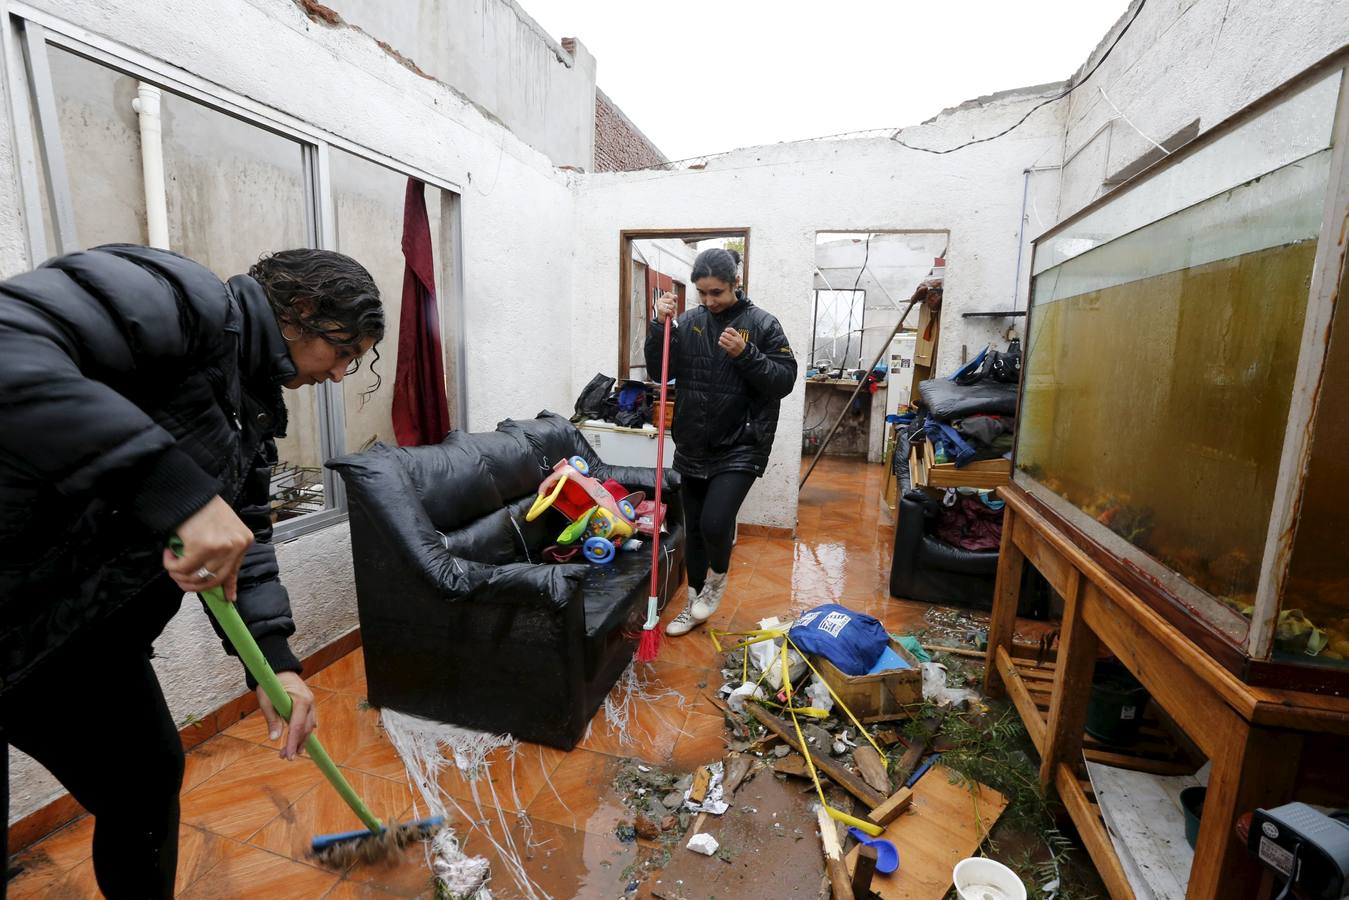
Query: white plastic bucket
(980,878)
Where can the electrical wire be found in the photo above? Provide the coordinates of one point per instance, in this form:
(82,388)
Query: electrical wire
(1081,81)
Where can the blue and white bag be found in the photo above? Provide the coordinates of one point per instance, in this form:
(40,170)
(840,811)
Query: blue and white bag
(851,640)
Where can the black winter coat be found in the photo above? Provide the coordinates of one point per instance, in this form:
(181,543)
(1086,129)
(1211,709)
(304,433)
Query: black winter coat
(726,410)
(134,387)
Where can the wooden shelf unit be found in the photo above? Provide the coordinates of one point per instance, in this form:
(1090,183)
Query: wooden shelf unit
(1262,743)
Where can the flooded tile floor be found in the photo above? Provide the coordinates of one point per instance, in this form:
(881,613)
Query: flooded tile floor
(247,815)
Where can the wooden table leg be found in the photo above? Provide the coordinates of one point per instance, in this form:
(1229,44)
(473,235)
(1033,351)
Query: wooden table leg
(1255,767)
(1072,687)
(1006,598)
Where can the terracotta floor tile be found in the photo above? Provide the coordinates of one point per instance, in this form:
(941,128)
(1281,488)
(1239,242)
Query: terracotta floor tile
(246,795)
(564,862)
(351,890)
(691,684)
(693,649)
(247,871)
(510,781)
(703,741)
(210,757)
(45,864)
(198,852)
(584,798)
(322,810)
(347,675)
(652,730)
(77,884)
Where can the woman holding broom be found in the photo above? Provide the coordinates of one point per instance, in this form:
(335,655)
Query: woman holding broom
(141,399)
(731,364)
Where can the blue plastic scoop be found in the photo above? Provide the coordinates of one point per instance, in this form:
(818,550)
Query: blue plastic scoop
(887,857)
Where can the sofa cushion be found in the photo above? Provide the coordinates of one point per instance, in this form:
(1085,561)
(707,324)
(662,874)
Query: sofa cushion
(491,539)
(452,481)
(514,464)
(537,534)
(552,438)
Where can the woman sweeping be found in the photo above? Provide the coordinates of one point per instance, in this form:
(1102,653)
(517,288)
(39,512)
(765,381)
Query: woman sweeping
(141,399)
(731,365)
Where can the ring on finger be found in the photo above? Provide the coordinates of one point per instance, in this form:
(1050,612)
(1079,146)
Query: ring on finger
(204,574)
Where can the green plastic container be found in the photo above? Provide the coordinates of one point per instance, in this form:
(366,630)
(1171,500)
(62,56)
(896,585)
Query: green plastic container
(1116,707)
(1192,802)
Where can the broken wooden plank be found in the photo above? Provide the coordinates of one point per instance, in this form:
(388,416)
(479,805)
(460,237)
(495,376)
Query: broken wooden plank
(909,761)
(946,822)
(837,773)
(702,780)
(864,871)
(895,804)
(792,764)
(734,769)
(872,768)
(839,882)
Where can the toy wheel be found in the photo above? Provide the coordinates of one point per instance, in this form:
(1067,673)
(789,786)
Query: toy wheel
(599,550)
(579,464)
(626,508)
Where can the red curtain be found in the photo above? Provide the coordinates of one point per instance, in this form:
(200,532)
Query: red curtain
(421,414)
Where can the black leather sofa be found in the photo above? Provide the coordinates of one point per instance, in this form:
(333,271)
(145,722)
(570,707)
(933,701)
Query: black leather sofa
(461,622)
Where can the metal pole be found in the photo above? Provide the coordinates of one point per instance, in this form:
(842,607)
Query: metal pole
(839,421)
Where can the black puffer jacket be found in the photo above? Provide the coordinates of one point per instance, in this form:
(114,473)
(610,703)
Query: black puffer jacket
(134,387)
(726,410)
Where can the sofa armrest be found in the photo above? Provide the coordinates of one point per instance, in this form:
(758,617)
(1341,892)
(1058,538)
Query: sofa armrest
(527,584)
(640,478)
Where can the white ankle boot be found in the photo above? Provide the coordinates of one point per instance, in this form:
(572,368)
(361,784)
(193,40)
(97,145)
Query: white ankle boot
(684,622)
(707,601)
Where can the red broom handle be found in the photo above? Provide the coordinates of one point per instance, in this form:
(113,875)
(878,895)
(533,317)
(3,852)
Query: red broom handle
(660,457)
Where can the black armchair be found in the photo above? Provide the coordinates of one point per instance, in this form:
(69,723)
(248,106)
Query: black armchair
(932,571)
(927,569)
(460,620)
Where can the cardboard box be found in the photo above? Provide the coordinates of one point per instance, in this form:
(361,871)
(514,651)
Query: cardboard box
(879,697)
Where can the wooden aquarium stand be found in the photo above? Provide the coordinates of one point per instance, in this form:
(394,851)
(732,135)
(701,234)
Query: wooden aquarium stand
(1264,744)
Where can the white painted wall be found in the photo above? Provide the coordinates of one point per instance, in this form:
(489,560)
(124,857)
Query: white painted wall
(788,192)
(495,54)
(518,212)
(1182,60)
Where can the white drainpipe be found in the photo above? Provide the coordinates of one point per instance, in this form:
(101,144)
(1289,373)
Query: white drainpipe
(146,106)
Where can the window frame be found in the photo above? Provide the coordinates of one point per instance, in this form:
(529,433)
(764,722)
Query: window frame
(32,105)
(625,239)
(815,320)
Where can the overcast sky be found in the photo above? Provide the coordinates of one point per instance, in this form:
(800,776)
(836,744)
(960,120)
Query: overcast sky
(702,76)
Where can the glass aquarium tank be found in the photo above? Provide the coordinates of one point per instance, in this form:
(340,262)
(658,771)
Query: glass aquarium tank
(1185,396)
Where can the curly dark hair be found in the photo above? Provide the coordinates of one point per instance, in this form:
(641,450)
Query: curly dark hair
(345,301)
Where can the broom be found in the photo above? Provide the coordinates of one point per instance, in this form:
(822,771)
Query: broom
(649,646)
(375,841)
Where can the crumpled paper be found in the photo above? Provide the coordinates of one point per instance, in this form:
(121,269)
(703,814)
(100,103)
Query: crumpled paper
(712,802)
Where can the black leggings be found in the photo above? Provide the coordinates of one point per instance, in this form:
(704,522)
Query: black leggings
(710,508)
(96,719)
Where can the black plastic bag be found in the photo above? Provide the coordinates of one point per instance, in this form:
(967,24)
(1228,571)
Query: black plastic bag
(597,401)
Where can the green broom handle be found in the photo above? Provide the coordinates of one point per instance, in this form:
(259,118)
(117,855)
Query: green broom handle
(247,648)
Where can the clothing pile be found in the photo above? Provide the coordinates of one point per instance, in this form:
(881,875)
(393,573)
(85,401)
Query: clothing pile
(971,415)
(970,519)
(627,404)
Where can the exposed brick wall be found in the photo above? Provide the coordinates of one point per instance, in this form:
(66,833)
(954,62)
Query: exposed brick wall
(620,145)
